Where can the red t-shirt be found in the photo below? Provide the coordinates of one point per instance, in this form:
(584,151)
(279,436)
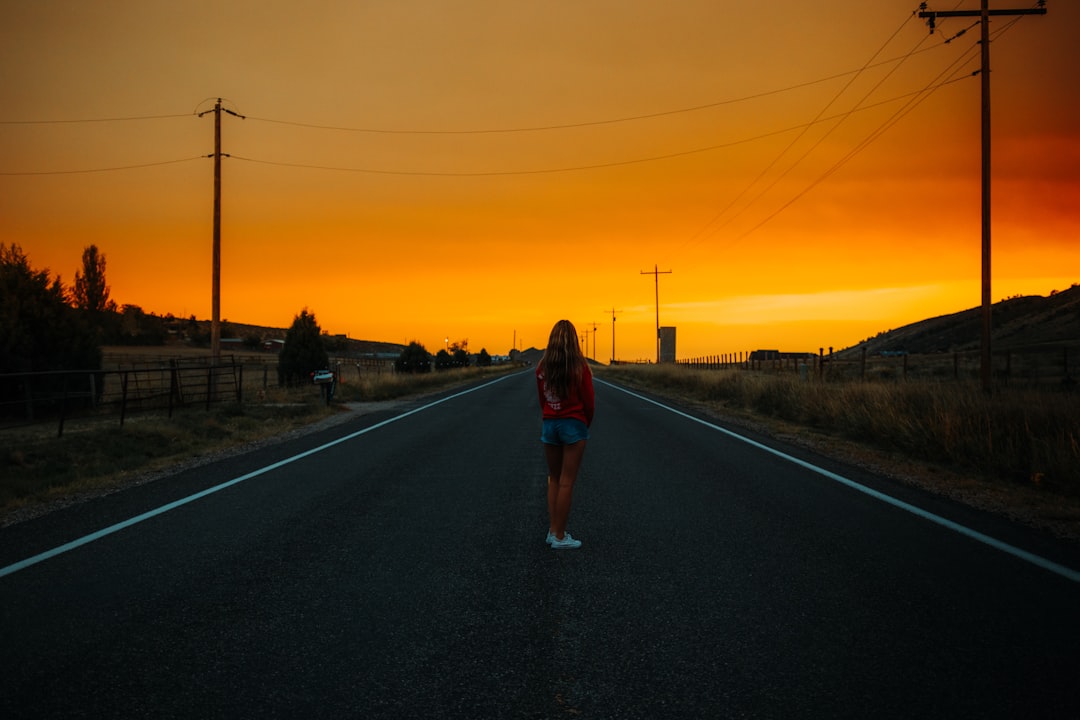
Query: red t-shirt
(579,405)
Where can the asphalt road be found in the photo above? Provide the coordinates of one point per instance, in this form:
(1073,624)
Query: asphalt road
(395,567)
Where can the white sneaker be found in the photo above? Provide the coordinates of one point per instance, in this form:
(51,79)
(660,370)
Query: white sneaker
(567,543)
(550,537)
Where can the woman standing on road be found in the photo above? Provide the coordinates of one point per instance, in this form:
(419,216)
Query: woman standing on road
(564,385)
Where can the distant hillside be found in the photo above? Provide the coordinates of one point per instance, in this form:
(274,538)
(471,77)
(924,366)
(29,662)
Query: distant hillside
(242,330)
(1017,322)
(532,356)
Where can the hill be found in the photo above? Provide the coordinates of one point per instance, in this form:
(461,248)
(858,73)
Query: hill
(233,331)
(1019,322)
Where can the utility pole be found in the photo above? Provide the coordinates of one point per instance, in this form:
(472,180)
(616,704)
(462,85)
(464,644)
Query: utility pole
(984,13)
(594,326)
(656,273)
(583,337)
(215,291)
(613,311)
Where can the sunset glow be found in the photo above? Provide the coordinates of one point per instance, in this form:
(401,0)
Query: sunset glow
(478,170)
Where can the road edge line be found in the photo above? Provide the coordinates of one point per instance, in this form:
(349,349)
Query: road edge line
(1019,553)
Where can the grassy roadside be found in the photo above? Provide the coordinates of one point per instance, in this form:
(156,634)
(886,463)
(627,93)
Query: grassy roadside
(1016,454)
(39,470)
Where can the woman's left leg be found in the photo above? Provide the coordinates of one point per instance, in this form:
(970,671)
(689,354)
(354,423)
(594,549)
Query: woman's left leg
(553,454)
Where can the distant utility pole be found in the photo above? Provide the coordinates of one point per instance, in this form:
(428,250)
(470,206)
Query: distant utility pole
(613,311)
(583,337)
(594,326)
(215,292)
(985,13)
(656,273)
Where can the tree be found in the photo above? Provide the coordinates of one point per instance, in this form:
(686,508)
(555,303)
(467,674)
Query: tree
(38,329)
(443,360)
(136,327)
(483,359)
(303,352)
(90,292)
(413,359)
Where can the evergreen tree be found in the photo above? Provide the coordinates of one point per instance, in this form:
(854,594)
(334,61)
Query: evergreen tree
(303,352)
(38,329)
(91,293)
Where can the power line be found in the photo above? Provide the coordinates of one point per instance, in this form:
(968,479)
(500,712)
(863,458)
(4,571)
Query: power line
(92,120)
(105,169)
(593,123)
(541,171)
(914,102)
(482,131)
(868,64)
(916,99)
(576,168)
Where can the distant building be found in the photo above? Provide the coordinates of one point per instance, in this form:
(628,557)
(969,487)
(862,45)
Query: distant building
(764,355)
(667,344)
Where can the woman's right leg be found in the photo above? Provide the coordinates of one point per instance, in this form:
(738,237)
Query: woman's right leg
(571,456)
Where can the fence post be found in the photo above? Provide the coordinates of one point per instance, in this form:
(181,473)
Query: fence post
(28,394)
(63,404)
(172,386)
(123,396)
(821,363)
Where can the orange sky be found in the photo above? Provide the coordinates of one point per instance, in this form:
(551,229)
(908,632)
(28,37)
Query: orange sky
(428,229)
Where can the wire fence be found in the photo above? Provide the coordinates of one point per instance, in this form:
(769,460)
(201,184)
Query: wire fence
(133,383)
(59,395)
(1042,365)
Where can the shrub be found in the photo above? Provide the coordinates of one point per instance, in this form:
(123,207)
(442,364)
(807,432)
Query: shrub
(413,359)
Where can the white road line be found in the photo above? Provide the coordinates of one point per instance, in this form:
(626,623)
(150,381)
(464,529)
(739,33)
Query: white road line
(87,539)
(1065,572)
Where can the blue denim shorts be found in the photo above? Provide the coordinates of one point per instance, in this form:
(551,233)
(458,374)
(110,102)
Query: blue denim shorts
(563,431)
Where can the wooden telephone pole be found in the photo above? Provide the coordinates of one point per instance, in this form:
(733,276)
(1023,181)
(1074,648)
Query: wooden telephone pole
(985,13)
(613,311)
(593,331)
(215,283)
(656,272)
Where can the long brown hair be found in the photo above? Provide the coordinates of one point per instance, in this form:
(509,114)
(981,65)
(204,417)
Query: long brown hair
(563,360)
